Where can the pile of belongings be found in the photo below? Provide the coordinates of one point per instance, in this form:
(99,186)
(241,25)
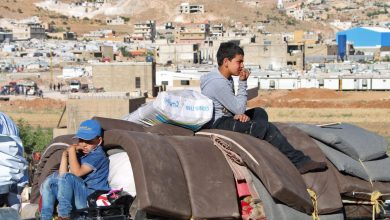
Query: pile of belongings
(186,108)
(179,174)
(360,163)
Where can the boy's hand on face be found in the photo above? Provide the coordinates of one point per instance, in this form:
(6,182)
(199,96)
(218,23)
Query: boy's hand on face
(244,74)
(242,118)
(76,147)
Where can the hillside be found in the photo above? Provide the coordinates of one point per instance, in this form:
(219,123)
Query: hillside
(216,11)
(18,9)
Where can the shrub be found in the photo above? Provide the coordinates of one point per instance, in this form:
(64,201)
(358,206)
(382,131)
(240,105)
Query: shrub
(126,19)
(34,139)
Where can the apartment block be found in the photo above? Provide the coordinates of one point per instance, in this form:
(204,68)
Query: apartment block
(187,8)
(144,30)
(192,32)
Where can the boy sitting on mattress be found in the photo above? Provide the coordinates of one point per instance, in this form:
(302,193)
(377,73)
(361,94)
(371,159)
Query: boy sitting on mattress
(78,176)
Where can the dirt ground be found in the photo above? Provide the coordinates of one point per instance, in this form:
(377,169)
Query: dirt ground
(36,111)
(367,109)
(321,98)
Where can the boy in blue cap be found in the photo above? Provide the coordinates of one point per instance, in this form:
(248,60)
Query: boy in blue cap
(86,174)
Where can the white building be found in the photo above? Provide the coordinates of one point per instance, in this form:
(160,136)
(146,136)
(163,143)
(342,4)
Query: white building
(297,13)
(144,30)
(187,8)
(71,72)
(216,30)
(115,21)
(341,25)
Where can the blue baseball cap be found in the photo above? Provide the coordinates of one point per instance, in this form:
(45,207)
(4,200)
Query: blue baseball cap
(89,130)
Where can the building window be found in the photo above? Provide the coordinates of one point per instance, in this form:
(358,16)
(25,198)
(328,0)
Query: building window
(137,82)
(184,82)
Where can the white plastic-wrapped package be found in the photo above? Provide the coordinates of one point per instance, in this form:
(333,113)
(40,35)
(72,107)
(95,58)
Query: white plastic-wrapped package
(185,108)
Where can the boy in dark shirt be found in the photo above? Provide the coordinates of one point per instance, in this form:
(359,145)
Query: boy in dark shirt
(230,110)
(85,175)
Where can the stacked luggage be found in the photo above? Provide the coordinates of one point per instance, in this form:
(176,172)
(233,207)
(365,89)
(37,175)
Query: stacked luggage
(182,175)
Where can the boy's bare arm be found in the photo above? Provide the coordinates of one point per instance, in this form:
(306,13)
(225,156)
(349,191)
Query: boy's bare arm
(64,163)
(75,167)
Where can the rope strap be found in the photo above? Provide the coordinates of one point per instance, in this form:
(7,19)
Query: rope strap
(367,171)
(377,204)
(313,197)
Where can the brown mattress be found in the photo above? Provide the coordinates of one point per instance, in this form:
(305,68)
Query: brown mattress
(178,177)
(323,183)
(272,169)
(163,129)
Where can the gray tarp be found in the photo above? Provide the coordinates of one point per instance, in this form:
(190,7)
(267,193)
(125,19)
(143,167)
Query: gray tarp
(354,141)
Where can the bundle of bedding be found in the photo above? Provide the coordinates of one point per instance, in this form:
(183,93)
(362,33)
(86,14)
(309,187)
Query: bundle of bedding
(177,175)
(358,159)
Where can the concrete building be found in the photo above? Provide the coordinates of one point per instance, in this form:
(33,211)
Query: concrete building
(216,31)
(87,55)
(5,35)
(317,50)
(269,52)
(125,77)
(178,54)
(165,33)
(144,30)
(266,55)
(81,107)
(107,52)
(320,53)
(21,33)
(63,35)
(187,8)
(192,32)
(300,36)
(28,31)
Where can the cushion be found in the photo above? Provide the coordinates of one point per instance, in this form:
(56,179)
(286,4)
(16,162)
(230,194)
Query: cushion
(353,141)
(375,170)
(120,175)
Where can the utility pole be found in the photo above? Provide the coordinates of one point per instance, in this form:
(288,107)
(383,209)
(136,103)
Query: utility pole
(51,67)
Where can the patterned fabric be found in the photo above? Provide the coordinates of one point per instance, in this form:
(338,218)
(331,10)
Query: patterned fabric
(7,126)
(13,166)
